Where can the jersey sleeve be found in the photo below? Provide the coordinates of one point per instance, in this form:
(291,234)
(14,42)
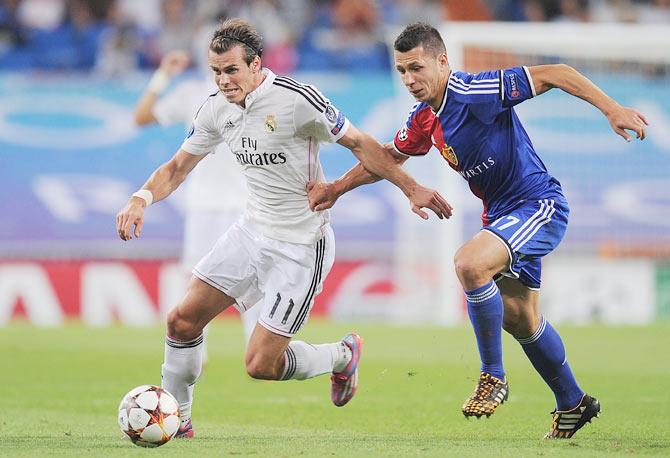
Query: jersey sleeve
(517,86)
(315,116)
(490,93)
(413,139)
(203,136)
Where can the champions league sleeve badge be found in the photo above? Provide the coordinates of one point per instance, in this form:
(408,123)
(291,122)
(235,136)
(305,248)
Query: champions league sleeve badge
(402,135)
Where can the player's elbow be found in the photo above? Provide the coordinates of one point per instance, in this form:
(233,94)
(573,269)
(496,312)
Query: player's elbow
(565,72)
(142,118)
(178,177)
(563,68)
(550,76)
(172,173)
(399,159)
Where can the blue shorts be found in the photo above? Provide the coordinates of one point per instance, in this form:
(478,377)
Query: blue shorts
(531,231)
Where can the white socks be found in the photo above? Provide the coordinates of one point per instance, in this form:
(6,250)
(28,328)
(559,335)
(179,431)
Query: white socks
(303,360)
(183,364)
(181,369)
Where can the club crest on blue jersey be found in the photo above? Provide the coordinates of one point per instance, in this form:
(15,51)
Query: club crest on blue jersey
(270,124)
(449,154)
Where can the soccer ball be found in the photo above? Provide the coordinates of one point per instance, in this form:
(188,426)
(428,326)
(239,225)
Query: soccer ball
(149,416)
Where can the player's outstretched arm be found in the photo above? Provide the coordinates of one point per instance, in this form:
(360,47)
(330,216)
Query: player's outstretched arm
(323,196)
(171,65)
(377,161)
(621,119)
(160,184)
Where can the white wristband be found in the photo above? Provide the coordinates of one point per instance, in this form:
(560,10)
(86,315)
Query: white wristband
(158,82)
(146,195)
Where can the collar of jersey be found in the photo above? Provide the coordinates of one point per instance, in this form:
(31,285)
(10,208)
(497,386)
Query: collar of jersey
(253,95)
(444,98)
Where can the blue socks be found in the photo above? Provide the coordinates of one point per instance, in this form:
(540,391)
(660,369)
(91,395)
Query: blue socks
(546,351)
(544,348)
(485,308)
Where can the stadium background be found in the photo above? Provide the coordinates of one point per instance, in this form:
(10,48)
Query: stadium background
(71,71)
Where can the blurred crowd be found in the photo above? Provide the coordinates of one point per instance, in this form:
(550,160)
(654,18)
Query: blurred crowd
(114,37)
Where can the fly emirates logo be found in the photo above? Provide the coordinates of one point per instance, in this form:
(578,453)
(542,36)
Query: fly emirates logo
(249,155)
(478,170)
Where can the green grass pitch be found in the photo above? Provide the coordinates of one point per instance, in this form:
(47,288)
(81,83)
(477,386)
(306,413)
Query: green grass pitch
(60,388)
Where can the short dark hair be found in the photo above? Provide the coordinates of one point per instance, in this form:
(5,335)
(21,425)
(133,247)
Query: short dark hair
(420,34)
(237,32)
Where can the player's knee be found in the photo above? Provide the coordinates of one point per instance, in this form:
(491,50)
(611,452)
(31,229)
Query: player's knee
(261,368)
(261,371)
(180,327)
(469,272)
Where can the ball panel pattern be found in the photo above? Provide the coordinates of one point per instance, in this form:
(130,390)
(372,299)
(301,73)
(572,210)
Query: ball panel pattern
(149,416)
(148,400)
(171,424)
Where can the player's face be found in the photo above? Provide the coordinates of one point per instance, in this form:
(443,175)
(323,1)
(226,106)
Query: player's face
(233,76)
(422,73)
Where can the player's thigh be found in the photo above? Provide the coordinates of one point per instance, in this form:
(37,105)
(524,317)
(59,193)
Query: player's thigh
(202,302)
(522,307)
(291,278)
(482,255)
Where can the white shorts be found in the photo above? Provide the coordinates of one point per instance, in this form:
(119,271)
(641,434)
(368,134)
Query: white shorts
(202,228)
(250,267)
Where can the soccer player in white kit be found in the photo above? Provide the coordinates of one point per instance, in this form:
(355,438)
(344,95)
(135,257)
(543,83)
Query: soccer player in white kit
(216,193)
(280,251)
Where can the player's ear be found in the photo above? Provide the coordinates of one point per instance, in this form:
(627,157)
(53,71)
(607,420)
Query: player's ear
(256,64)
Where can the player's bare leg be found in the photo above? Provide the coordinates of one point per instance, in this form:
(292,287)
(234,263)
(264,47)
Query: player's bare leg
(522,308)
(264,359)
(545,350)
(272,356)
(476,264)
(184,344)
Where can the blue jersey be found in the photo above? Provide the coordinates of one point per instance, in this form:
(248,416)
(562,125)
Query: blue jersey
(478,133)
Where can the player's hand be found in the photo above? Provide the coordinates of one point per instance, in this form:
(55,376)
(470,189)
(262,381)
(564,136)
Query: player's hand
(175,62)
(321,196)
(131,215)
(622,119)
(429,198)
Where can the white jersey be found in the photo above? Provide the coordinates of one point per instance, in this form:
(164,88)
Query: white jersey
(276,140)
(217,184)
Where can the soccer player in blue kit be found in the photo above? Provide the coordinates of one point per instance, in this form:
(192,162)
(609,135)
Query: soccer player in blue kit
(470,119)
